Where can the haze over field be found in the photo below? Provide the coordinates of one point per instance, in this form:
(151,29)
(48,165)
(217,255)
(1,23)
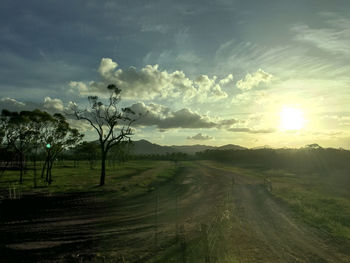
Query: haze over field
(249,73)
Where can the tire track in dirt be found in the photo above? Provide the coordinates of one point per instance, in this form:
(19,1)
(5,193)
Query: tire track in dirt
(268,231)
(135,230)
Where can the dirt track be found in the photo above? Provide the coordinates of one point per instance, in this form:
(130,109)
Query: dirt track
(79,227)
(268,232)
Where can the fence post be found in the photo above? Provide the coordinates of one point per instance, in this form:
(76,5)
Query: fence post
(177,216)
(156,219)
(183,244)
(204,229)
(14,192)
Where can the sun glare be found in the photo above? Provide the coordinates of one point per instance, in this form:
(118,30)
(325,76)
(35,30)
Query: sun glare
(291,119)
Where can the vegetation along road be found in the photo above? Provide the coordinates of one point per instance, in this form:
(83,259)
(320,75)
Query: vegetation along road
(203,212)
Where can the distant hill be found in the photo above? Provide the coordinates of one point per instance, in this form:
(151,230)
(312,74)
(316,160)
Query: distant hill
(146,147)
(261,147)
(192,149)
(231,147)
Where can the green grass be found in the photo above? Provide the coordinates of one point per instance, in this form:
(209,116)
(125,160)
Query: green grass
(130,178)
(317,207)
(321,199)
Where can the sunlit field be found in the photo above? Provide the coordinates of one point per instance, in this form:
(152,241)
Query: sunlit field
(129,178)
(175,131)
(195,209)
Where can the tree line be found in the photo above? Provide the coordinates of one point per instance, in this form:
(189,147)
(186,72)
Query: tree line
(311,158)
(28,133)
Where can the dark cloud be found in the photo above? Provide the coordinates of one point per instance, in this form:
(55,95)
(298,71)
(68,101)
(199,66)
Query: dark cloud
(164,118)
(200,137)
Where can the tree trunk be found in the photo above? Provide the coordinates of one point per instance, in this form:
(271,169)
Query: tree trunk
(47,171)
(43,170)
(48,158)
(34,170)
(49,168)
(21,168)
(103,168)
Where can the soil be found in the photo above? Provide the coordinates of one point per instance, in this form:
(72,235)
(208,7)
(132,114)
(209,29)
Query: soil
(84,227)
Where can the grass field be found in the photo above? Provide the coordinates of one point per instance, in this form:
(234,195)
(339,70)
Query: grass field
(191,211)
(321,199)
(127,179)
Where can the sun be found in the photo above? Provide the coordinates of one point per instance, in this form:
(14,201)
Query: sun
(291,119)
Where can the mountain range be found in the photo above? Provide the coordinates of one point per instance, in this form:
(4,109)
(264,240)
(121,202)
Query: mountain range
(146,147)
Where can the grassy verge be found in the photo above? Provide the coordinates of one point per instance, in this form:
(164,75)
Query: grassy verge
(321,209)
(130,178)
(321,199)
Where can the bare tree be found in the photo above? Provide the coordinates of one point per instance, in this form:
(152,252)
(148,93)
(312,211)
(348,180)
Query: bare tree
(111,122)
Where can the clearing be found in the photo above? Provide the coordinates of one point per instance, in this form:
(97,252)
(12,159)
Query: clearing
(203,213)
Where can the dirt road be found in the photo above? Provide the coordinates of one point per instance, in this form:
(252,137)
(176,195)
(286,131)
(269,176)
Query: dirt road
(81,228)
(266,231)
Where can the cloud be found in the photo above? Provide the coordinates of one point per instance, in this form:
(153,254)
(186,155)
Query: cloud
(150,82)
(226,80)
(251,81)
(53,105)
(248,130)
(164,118)
(252,96)
(160,116)
(200,137)
(81,87)
(11,104)
(334,39)
(188,57)
(50,105)
(154,28)
(15,105)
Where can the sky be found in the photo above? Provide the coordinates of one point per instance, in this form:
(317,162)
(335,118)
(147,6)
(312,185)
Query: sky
(252,73)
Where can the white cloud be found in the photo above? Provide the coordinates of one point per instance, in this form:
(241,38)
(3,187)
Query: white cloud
(227,80)
(150,82)
(251,81)
(188,57)
(249,130)
(11,104)
(154,28)
(334,39)
(80,86)
(106,68)
(53,105)
(250,97)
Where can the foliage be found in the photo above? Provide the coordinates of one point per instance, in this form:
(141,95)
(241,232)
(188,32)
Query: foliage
(111,122)
(27,131)
(297,160)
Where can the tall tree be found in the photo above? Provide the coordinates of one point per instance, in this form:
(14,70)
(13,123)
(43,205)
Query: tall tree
(39,120)
(18,135)
(111,122)
(57,135)
(24,132)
